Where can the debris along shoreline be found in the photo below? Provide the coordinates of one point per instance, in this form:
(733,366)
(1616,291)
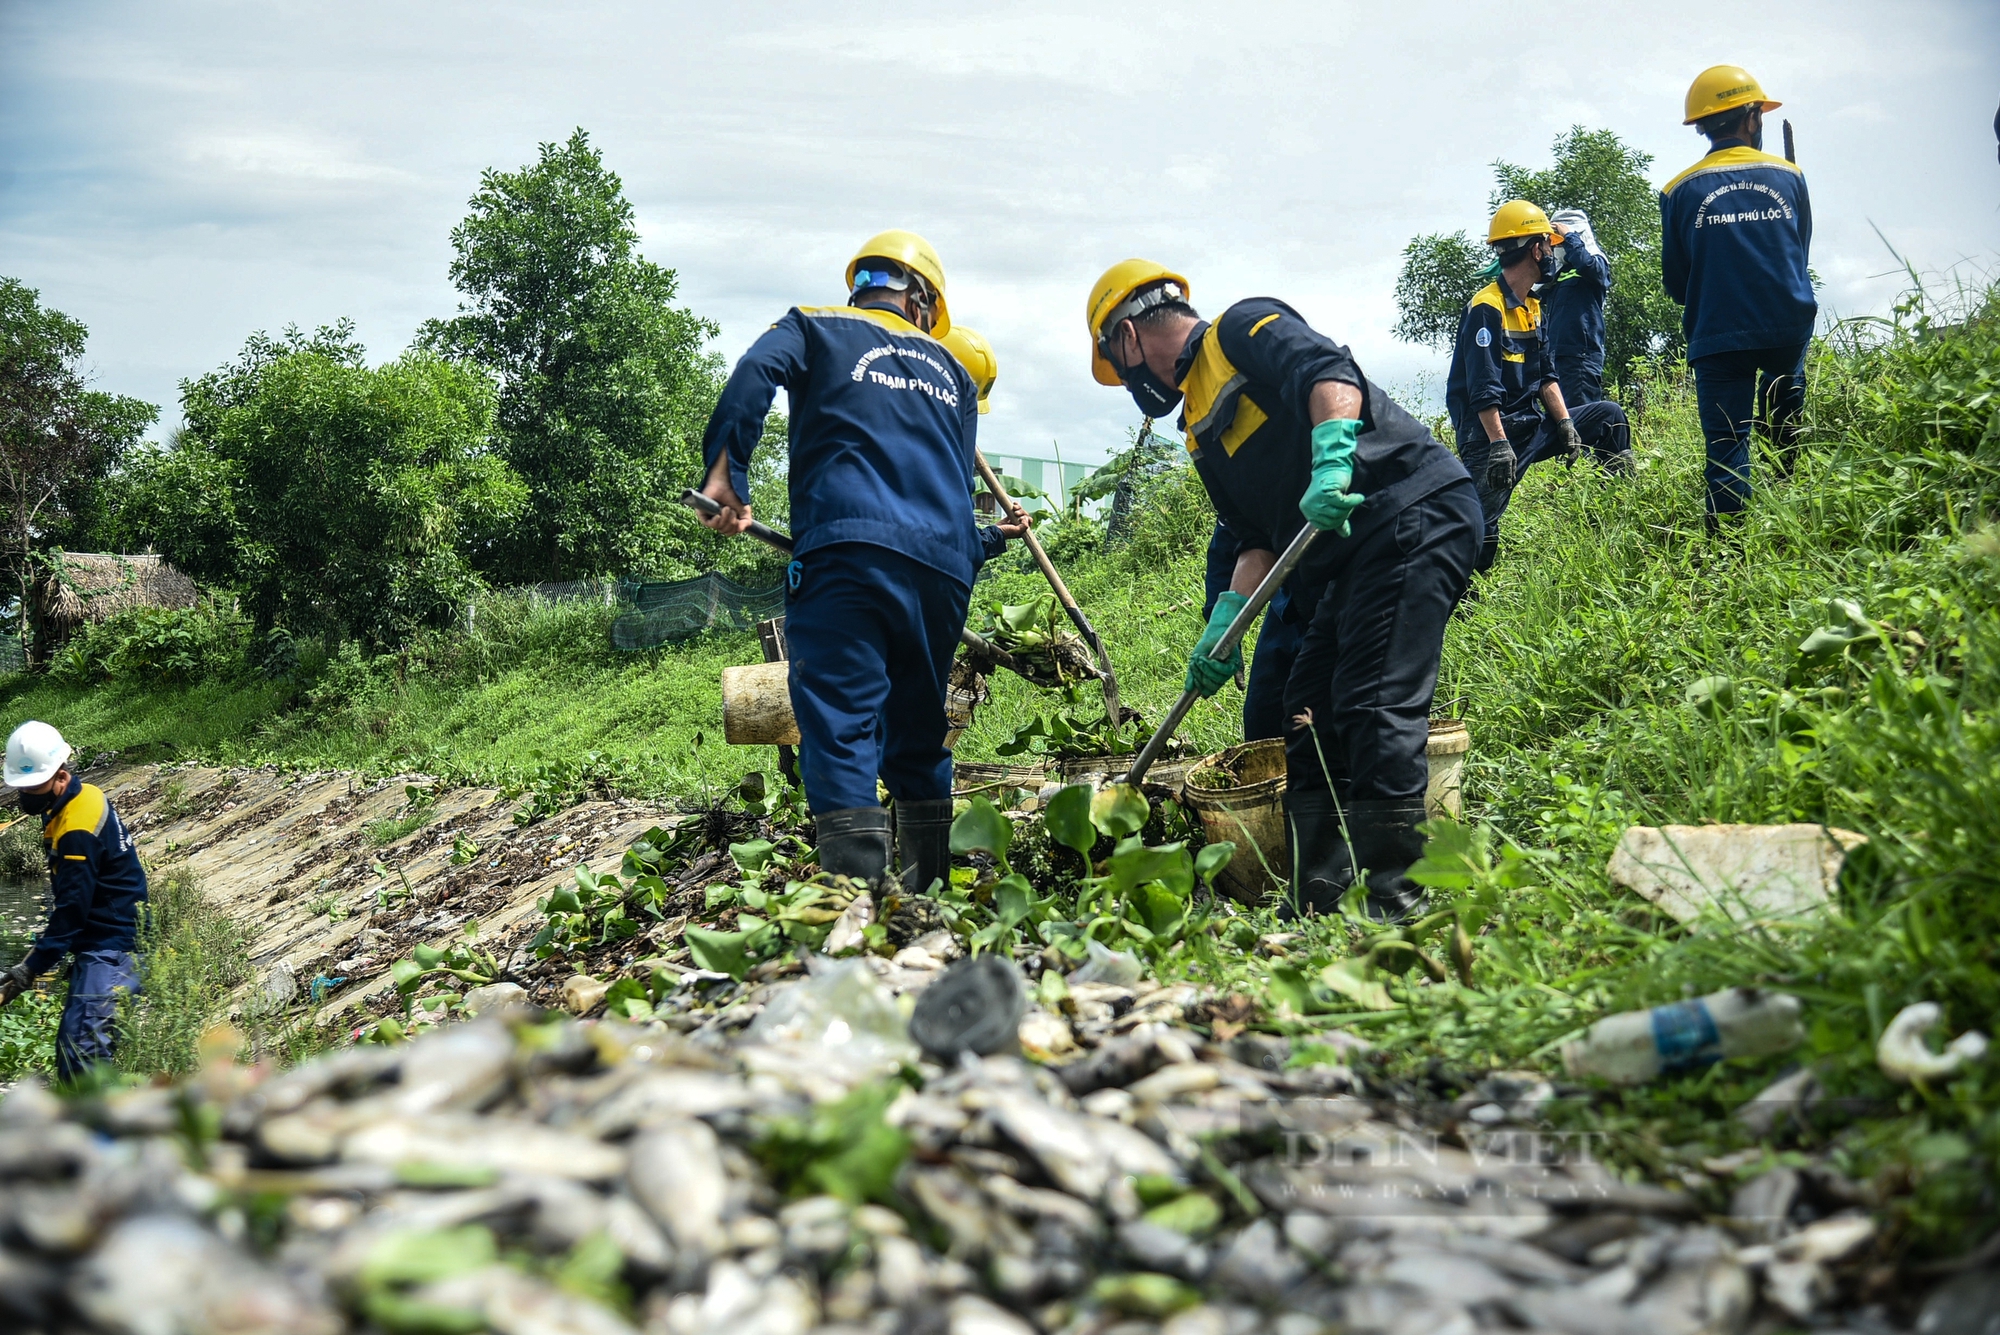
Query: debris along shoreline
(530,1173)
(747,1133)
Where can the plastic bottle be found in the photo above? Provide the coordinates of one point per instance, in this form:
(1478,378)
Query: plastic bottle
(1635,1047)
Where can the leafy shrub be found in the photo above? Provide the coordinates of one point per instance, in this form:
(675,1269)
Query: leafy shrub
(156,644)
(192,956)
(1171,519)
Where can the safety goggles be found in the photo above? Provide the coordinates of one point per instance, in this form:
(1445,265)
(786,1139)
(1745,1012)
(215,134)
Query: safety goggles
(892,276)
(1160,294)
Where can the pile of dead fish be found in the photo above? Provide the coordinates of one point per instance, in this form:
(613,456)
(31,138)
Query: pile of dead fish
(532,1174)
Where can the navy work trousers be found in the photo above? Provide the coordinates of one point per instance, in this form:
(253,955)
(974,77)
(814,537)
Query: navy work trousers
(88,1031)
(1602,426)
(1367,667)
(1582,380)
(1277,644)
(871,634)
(1733,390)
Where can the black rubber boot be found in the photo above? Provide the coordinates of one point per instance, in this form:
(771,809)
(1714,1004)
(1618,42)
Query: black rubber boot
(854,842)
(923,843)
(1322,869)
(1622,464)
(1386,842)
(1785,444)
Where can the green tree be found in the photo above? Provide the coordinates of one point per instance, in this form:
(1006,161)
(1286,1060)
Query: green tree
(335,498)
(1592,170)
(604,384)
(59,441)
(1595,171)
(1439,276)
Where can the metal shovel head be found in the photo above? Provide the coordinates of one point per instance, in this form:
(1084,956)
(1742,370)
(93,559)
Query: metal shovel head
(975,1006)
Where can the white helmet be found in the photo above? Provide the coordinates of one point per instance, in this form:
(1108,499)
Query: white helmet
(34,753)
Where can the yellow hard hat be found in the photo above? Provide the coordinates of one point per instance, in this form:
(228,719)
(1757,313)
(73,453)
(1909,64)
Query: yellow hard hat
(1722,88)
(913,253)
(1517,217)
(975,354)
(1127,287)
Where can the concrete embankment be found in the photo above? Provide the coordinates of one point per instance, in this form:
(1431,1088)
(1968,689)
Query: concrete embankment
(317,870)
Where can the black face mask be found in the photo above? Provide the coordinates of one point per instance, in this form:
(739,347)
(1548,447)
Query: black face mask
(39,804)
(1155,397)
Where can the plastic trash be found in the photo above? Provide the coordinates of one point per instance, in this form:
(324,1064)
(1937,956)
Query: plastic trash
(1903,1055)
(1119,968)
(839,1006)
(1635,1047)
(974,1006)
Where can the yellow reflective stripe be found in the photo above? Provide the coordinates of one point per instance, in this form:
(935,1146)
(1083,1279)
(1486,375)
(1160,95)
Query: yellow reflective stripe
(75,857)
(887,319)
(1524,319)
(86,811)
(1513,356)
(1249,417)
(1261,323)
(1212,386)
(1733,159)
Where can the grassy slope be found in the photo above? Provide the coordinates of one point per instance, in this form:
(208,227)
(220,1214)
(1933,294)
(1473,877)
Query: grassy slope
(1609,601)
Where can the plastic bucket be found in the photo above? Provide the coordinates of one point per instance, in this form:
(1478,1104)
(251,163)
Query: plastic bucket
(1248,811)
(757,705)
(1162,780)
(1449,742)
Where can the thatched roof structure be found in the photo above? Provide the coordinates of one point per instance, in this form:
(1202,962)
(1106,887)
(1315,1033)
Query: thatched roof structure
(96,586)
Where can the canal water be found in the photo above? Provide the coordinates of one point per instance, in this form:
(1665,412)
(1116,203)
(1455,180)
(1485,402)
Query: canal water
(22,903)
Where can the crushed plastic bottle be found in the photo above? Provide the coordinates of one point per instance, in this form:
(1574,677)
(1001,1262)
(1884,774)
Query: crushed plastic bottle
(1637,1046)
(1119,968)
(839,1008)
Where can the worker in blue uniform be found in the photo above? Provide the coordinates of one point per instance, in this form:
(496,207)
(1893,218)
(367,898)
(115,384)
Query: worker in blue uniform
(1286,431)
(1277,640)
(1506,405)
(1735,235)
(96,886)
(1573,309)
(882,431)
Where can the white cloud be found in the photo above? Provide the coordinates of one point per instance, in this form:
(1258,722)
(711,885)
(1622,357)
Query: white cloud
(177,177)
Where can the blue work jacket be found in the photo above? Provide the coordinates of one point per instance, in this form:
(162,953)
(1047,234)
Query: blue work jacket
(883,424)
(1499,360)
(95,881)
(1735,231)
(1573,306)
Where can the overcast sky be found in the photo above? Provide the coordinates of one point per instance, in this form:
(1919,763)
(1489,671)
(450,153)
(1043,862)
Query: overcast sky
(177,175)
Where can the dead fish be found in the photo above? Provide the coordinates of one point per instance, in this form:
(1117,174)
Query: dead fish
(667,1094)
(739,1303)
(44,1152)
(646,1248)
(675,1172)
(460,1066)
(1083,1154)
(345,1073)
(167,1275)
(29,1103)
(463,1141)
(514,1304)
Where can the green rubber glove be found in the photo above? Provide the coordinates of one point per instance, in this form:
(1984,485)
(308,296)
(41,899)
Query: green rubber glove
(1327,502)
(1204,674)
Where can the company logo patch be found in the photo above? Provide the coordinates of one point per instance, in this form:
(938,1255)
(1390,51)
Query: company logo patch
(1484,338)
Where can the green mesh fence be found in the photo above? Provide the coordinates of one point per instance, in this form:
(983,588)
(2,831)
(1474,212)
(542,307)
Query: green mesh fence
(666,612)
